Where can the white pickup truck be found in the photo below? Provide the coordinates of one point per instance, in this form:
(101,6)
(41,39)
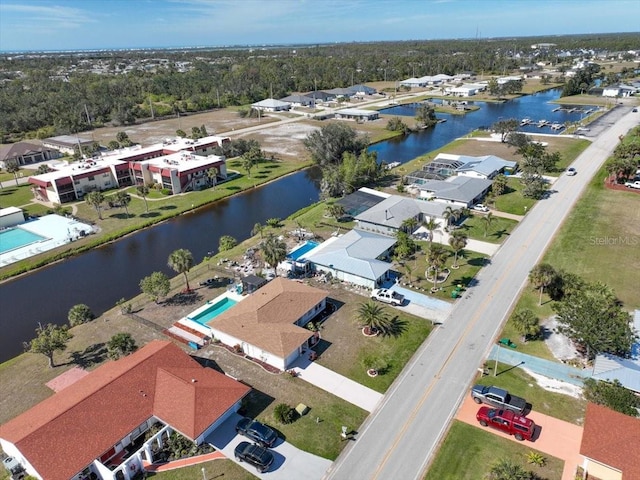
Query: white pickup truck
(635,184)
(387,296)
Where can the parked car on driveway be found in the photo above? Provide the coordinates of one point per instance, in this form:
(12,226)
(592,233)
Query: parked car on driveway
(479,207)
(498,397)
(571,171)
(387,296)
(256,431)
(635,184)
(255,455)
(507,421)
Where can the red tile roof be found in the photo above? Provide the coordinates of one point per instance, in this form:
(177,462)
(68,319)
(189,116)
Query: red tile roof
(266,319)
(64,433)
(613,439)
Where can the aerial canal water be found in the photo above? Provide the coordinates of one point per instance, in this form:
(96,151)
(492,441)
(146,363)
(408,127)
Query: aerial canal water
(99,278)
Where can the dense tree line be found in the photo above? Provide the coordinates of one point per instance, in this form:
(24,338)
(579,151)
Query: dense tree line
(42,95)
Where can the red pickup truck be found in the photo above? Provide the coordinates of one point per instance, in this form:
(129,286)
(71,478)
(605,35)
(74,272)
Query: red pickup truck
(507,421)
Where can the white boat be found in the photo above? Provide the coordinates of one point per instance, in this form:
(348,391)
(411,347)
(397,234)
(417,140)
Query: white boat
(391,165)
(557,126)
(525,121)
(542,123)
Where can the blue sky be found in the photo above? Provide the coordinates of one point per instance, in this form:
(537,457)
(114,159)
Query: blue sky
(87,24)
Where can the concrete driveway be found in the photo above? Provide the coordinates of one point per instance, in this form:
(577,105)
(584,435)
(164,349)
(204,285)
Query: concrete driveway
(554,437)
(289,461)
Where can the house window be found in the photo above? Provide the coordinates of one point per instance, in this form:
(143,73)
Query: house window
(91,178)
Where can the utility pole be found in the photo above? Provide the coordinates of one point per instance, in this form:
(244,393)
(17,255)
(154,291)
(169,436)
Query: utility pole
(151,107)
(218,96)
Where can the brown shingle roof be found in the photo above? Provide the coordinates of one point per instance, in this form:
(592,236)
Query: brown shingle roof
(613,439)
(64,433)
(266,318)
(15,150)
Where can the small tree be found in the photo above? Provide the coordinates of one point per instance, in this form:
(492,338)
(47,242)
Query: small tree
(50,339)
(11,166)
(526,323)
(226,242)
(612,395)
(284,414)
(274,250)
(79,314)
(143,191)
(258,228)
(120,345)
(542,276)
(336,210)
(181,261)
(123,199)
(505,127)
(155,286)
(499,185)
(458,241)
(96,199)
(486,220)
(436,258)
(373,317)
(273,222)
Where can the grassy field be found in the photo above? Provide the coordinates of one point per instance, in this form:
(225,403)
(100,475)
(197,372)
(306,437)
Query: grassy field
(496,232)
(520,383)
(512,200)
(468,453)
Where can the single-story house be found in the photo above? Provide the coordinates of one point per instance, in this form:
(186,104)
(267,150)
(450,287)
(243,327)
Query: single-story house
(355,257)
(271,105)
(507,79)
(360,90)
(462,91)
(619,90)
(625,370)
(388,216)
(487,166)
(357,114)
(10,217)
(102,425)
(269,324)
(299,100)
(459,191)
(413,82)
(26,153)
(320,96)
(609,445)
(66,144)
(340,92)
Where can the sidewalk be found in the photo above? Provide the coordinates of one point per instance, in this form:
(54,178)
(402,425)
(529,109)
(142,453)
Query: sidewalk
(558,371)
(336,384)
(555,437)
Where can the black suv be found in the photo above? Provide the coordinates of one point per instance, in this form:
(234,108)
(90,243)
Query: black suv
(256,431)
(255,455)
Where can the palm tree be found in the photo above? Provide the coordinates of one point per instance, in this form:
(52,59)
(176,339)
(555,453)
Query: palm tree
(450,215)
(505,469)
(336,210)
(181,261)
(96,199)
(436,257)
(409,225)
(457,241)
(258,228)
(541,276)
(487,220)
(11,166)
(273,250)
(123,199)
(143,191)
(373,318)
(212,176)
(431,225)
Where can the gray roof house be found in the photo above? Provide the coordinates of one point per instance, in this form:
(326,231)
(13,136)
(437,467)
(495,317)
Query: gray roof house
(461,191)
(355,257)
(299,100)
(340,92)
(625,370)
(320,96)
(387,216)
(271,105)
(487,166)
(362,90)
(357,114)
(25,153)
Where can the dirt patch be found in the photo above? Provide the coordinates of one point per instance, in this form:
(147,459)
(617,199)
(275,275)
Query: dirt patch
(556,386)
(284,140)
(559,345)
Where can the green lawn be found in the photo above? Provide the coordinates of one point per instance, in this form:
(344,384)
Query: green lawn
(497,232)
(512,200)
(521,384)
(226,469)
(468,453)
(600,240)
(15,196)
(393,352)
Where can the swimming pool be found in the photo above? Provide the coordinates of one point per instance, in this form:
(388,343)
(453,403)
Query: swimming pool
(16,238)
(303,249)
(212,311)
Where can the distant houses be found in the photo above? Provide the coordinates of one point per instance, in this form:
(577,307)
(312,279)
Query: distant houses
(26,153)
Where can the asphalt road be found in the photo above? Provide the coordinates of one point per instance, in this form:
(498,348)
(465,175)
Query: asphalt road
(400,438)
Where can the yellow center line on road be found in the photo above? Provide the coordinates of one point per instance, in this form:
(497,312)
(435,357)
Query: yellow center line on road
(463,337)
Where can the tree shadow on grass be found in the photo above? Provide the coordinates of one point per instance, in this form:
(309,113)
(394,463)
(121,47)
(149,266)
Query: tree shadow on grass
(92,355)
(167,207)
(120,216)
(396,327)
(500,233)
(150,214)
(233,187)
(260,176)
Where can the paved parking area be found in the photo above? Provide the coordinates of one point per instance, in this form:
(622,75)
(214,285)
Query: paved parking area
(555,437)
(289,461)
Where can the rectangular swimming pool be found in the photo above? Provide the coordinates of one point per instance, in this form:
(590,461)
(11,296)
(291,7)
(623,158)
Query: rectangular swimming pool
(212,311)
(303,249)
(16,238)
